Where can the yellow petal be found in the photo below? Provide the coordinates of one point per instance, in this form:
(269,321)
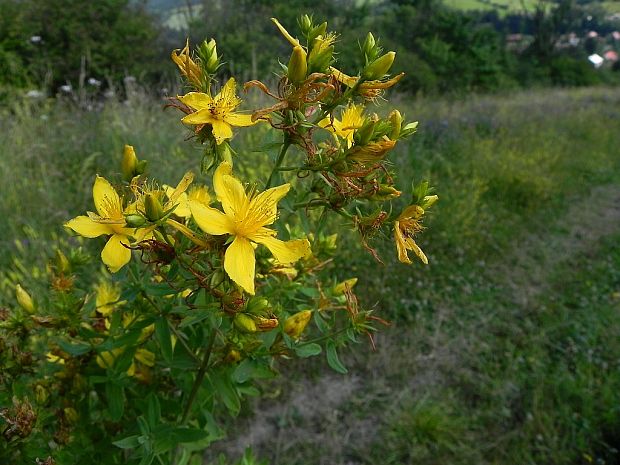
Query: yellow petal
(199,117)
(239,263)
(285,252)
(234,200)
(196,100)
(86,227)
(225,169)
(228,93)
(115,255)
(411,245)
(401,247)
(210,220)
(221,130)
(107,201)
(267,201)
(239,119)
(181,187)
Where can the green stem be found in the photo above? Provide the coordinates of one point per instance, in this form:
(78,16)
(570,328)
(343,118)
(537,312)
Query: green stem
(202,371)
(276,168)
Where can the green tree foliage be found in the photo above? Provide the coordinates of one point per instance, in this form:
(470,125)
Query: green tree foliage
(58,41)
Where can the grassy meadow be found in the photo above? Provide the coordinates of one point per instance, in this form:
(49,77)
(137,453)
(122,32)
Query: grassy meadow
(505,349)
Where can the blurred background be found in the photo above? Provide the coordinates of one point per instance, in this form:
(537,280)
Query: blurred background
(505,349)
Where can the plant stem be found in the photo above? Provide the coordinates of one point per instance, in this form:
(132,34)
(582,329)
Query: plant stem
(202,371)
(285,145)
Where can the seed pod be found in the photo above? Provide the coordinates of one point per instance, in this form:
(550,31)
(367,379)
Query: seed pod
(295,325)
(297,65)
(245,323)
(152,207)
(24,300)
(379,68)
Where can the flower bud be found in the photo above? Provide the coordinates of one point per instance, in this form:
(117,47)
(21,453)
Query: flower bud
(396,120)
(134,220)
(232,356)
(208,56)
(62,262)
(379,68)
(319,30)
(305,24)
(71,415)
(409,129)
(295,325)
(320,57)
(152,207)
(257,305)
(340,288)
(24,300)
(364,134)
(297,65)
(129,163)
(369,48)
(41,394)
(245,323)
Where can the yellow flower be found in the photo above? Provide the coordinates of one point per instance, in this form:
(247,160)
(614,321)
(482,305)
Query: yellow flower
(108,220)
(187,66)
(352,119)
(406,226)
(245,217)
(108,296)
(198,194)
(372,152)
(217,111)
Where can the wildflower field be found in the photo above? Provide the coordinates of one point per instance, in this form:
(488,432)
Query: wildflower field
(504,349)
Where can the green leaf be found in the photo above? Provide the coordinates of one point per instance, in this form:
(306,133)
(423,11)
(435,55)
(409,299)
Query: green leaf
(130,442)
(74,348)
(308,350)
(153,413)
(162,333)
(116,400)
(226,391)
(251,369)
(332,359)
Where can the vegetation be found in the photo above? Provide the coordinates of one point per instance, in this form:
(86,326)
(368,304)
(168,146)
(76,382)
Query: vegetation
(510,353)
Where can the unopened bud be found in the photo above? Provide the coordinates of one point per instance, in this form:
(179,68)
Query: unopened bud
(295,325)
(319,30)
(71,415)
(129,164)
(62,262)
(256,305)
(135,221)
(297,65)
(364,134)
(41,394)
(428,201)
(305,24)
(208,56)
(152,207)
(409,129)
(369,48)
(320,57)
(379,67)
(245,323)
(396,120)
(340,288)
(24,300)
(232,356)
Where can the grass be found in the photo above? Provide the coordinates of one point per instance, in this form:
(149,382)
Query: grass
(504,350)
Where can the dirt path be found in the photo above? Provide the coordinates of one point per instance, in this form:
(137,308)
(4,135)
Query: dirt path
(318,412)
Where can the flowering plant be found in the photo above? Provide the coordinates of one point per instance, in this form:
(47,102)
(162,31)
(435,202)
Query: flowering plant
(211,283)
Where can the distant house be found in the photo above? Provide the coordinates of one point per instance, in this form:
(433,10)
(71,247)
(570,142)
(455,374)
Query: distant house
(596,60)
(611,55)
